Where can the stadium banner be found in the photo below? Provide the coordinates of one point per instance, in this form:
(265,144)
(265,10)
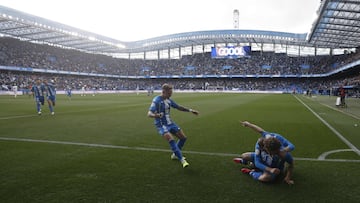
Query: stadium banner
(304,66)
(266,67)
(231,52)
(28,69)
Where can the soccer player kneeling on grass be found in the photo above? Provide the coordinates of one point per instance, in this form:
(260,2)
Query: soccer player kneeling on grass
(160,111)
(271,152)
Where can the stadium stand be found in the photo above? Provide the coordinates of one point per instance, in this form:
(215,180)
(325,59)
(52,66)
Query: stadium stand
(28,52)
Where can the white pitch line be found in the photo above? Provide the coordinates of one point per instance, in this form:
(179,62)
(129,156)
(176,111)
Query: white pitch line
(324,155)
(20,116)
(152,149)
(336,109)
(356,150)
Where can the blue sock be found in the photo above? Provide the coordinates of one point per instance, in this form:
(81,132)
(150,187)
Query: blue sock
(51,108)
(175,149)
(181,143)
(38,106)
(255,174)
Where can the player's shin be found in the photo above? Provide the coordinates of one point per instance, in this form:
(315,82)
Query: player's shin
(38,107)
(51,108)
(181,143)
(175,149)
(255,174)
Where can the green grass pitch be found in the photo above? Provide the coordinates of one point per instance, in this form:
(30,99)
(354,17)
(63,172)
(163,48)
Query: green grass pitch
(104,148)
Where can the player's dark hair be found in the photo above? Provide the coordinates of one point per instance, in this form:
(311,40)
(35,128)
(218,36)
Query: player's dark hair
(272,144)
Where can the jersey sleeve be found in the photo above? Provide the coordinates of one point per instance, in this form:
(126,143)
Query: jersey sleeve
(153,105)
(257,160)
(285,142)
(264,133)
(173,104)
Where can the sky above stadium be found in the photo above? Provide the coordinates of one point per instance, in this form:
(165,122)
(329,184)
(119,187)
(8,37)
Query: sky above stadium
(133,20)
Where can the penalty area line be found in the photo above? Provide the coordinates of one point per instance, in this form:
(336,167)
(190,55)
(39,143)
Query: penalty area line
(151,149)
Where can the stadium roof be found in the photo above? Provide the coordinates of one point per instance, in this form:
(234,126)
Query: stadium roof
(337,26)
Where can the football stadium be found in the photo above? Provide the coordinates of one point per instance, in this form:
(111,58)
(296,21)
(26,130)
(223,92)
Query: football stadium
(77,113)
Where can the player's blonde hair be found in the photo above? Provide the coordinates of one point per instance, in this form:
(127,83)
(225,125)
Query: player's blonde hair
(166,86)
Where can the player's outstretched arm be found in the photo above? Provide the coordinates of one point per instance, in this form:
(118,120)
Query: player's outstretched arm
(290,167)
(252,126)
(194,111)
(181,108)
(289,173)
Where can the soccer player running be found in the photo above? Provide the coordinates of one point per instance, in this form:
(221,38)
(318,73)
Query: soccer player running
(50,94)
(68,92)
(160,111)
(271,152)
(38,92)
(15,89)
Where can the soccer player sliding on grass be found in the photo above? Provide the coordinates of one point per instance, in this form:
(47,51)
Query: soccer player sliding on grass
(160,111)
(272,151)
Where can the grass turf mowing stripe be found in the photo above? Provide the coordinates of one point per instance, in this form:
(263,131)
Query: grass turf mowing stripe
(69,112)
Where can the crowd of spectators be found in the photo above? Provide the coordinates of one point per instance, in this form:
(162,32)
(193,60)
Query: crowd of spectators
(14,52)
(290,85)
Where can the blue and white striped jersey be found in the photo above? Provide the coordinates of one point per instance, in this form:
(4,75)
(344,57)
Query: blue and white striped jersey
(160,105)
